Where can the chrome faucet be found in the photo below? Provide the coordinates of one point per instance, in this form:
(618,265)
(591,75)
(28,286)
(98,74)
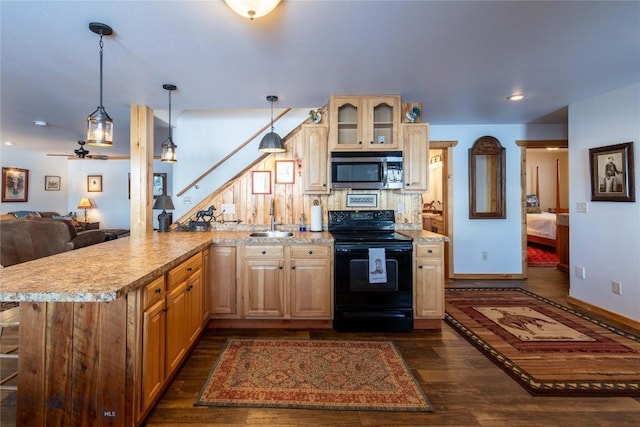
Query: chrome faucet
(272,214)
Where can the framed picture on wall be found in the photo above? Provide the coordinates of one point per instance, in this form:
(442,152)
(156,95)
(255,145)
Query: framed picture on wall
(261,182)
(284,171)
(159,185)
(94,183)
(612,174)
(51,183)
(15,185)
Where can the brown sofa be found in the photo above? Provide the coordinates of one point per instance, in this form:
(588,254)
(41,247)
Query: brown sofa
(31,238)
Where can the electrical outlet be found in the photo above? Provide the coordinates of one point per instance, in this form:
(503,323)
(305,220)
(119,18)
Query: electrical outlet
(400,208)
(186,200)
(485,255)
(581,207)
(229,209)
(580,272)
(616,287)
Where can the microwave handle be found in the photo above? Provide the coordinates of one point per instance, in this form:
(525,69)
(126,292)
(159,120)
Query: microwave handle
(385,173)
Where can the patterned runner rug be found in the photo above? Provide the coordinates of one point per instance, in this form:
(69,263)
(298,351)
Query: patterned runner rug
(354,375)
(548,348)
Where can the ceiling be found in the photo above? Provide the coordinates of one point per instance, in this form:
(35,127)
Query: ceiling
(461,59)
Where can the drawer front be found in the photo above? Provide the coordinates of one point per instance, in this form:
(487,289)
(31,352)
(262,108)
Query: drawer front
(314,251)
(426,251)
(264,252)
(153,292)
(180,273)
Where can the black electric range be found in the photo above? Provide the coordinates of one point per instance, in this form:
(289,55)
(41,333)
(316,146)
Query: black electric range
(364,302)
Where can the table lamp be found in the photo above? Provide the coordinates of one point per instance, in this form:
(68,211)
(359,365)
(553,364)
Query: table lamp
(165,218)
(85,204)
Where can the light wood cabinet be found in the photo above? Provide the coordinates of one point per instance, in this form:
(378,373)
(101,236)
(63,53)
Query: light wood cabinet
(364,122)
(222,283)
(184,310)
(311,284)
(176,327)
(315,159)
(293,281)
(263,279)
(153,343)
(415,140)
(429,281)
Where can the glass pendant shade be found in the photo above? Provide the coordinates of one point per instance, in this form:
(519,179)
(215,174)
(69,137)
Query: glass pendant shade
(252,8)
(100,128)
(168,154)
(271,142)
(99,124)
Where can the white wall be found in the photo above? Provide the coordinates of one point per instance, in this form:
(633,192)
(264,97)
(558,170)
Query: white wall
(606,240)
(500,238)
(39,166)
(112,204)
(206,137)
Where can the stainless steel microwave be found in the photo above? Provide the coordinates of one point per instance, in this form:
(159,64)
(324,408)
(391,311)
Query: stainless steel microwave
(366,170)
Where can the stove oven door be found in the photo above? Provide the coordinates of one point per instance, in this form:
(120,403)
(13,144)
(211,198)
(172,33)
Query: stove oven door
(361,305)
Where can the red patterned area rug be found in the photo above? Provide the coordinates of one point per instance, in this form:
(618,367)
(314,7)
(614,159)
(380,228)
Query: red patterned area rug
(540,257)
(548,348)
(353,375)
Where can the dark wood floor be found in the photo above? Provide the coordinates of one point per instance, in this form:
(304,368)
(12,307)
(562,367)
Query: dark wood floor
(465,388)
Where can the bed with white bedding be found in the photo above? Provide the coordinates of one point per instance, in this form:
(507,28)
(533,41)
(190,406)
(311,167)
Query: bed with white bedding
(541,228)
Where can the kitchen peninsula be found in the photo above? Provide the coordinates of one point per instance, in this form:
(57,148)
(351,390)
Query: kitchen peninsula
(105,328)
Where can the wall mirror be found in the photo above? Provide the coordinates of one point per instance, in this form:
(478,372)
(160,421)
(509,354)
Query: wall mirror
(487,179)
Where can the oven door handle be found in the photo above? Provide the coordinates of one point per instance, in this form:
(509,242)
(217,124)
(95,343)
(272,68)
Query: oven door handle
(358,249)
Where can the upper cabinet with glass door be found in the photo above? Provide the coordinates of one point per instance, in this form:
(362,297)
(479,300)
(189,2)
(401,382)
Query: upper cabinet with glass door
(364,123)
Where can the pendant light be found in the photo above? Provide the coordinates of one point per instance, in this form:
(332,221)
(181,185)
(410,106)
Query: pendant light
(168,154)
(100,125)
(271,142)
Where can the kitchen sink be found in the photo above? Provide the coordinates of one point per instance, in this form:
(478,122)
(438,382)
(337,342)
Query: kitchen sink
(271,234)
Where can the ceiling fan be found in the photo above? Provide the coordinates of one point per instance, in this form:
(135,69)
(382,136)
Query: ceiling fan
(82,153)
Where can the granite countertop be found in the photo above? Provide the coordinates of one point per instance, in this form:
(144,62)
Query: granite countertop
(109,270)
(424,236)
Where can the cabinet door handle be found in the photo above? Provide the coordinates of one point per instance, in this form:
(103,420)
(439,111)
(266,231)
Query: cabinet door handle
(189,269)
(430,251)
(280,267)
(360,142)
(310,252)
(419,266)
(264,252)
(157,291)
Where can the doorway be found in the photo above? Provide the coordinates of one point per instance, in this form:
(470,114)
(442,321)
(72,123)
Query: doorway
(437,203)
(545,200)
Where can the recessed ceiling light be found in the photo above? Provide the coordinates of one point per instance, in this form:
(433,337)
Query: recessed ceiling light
(8,143)
(516,97)
(40,123)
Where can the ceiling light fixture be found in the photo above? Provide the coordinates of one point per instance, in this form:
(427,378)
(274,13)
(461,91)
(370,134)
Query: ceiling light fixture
(271,142)
(515,97)
(100,125)
(252,8)
(168,154)
(40,123)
